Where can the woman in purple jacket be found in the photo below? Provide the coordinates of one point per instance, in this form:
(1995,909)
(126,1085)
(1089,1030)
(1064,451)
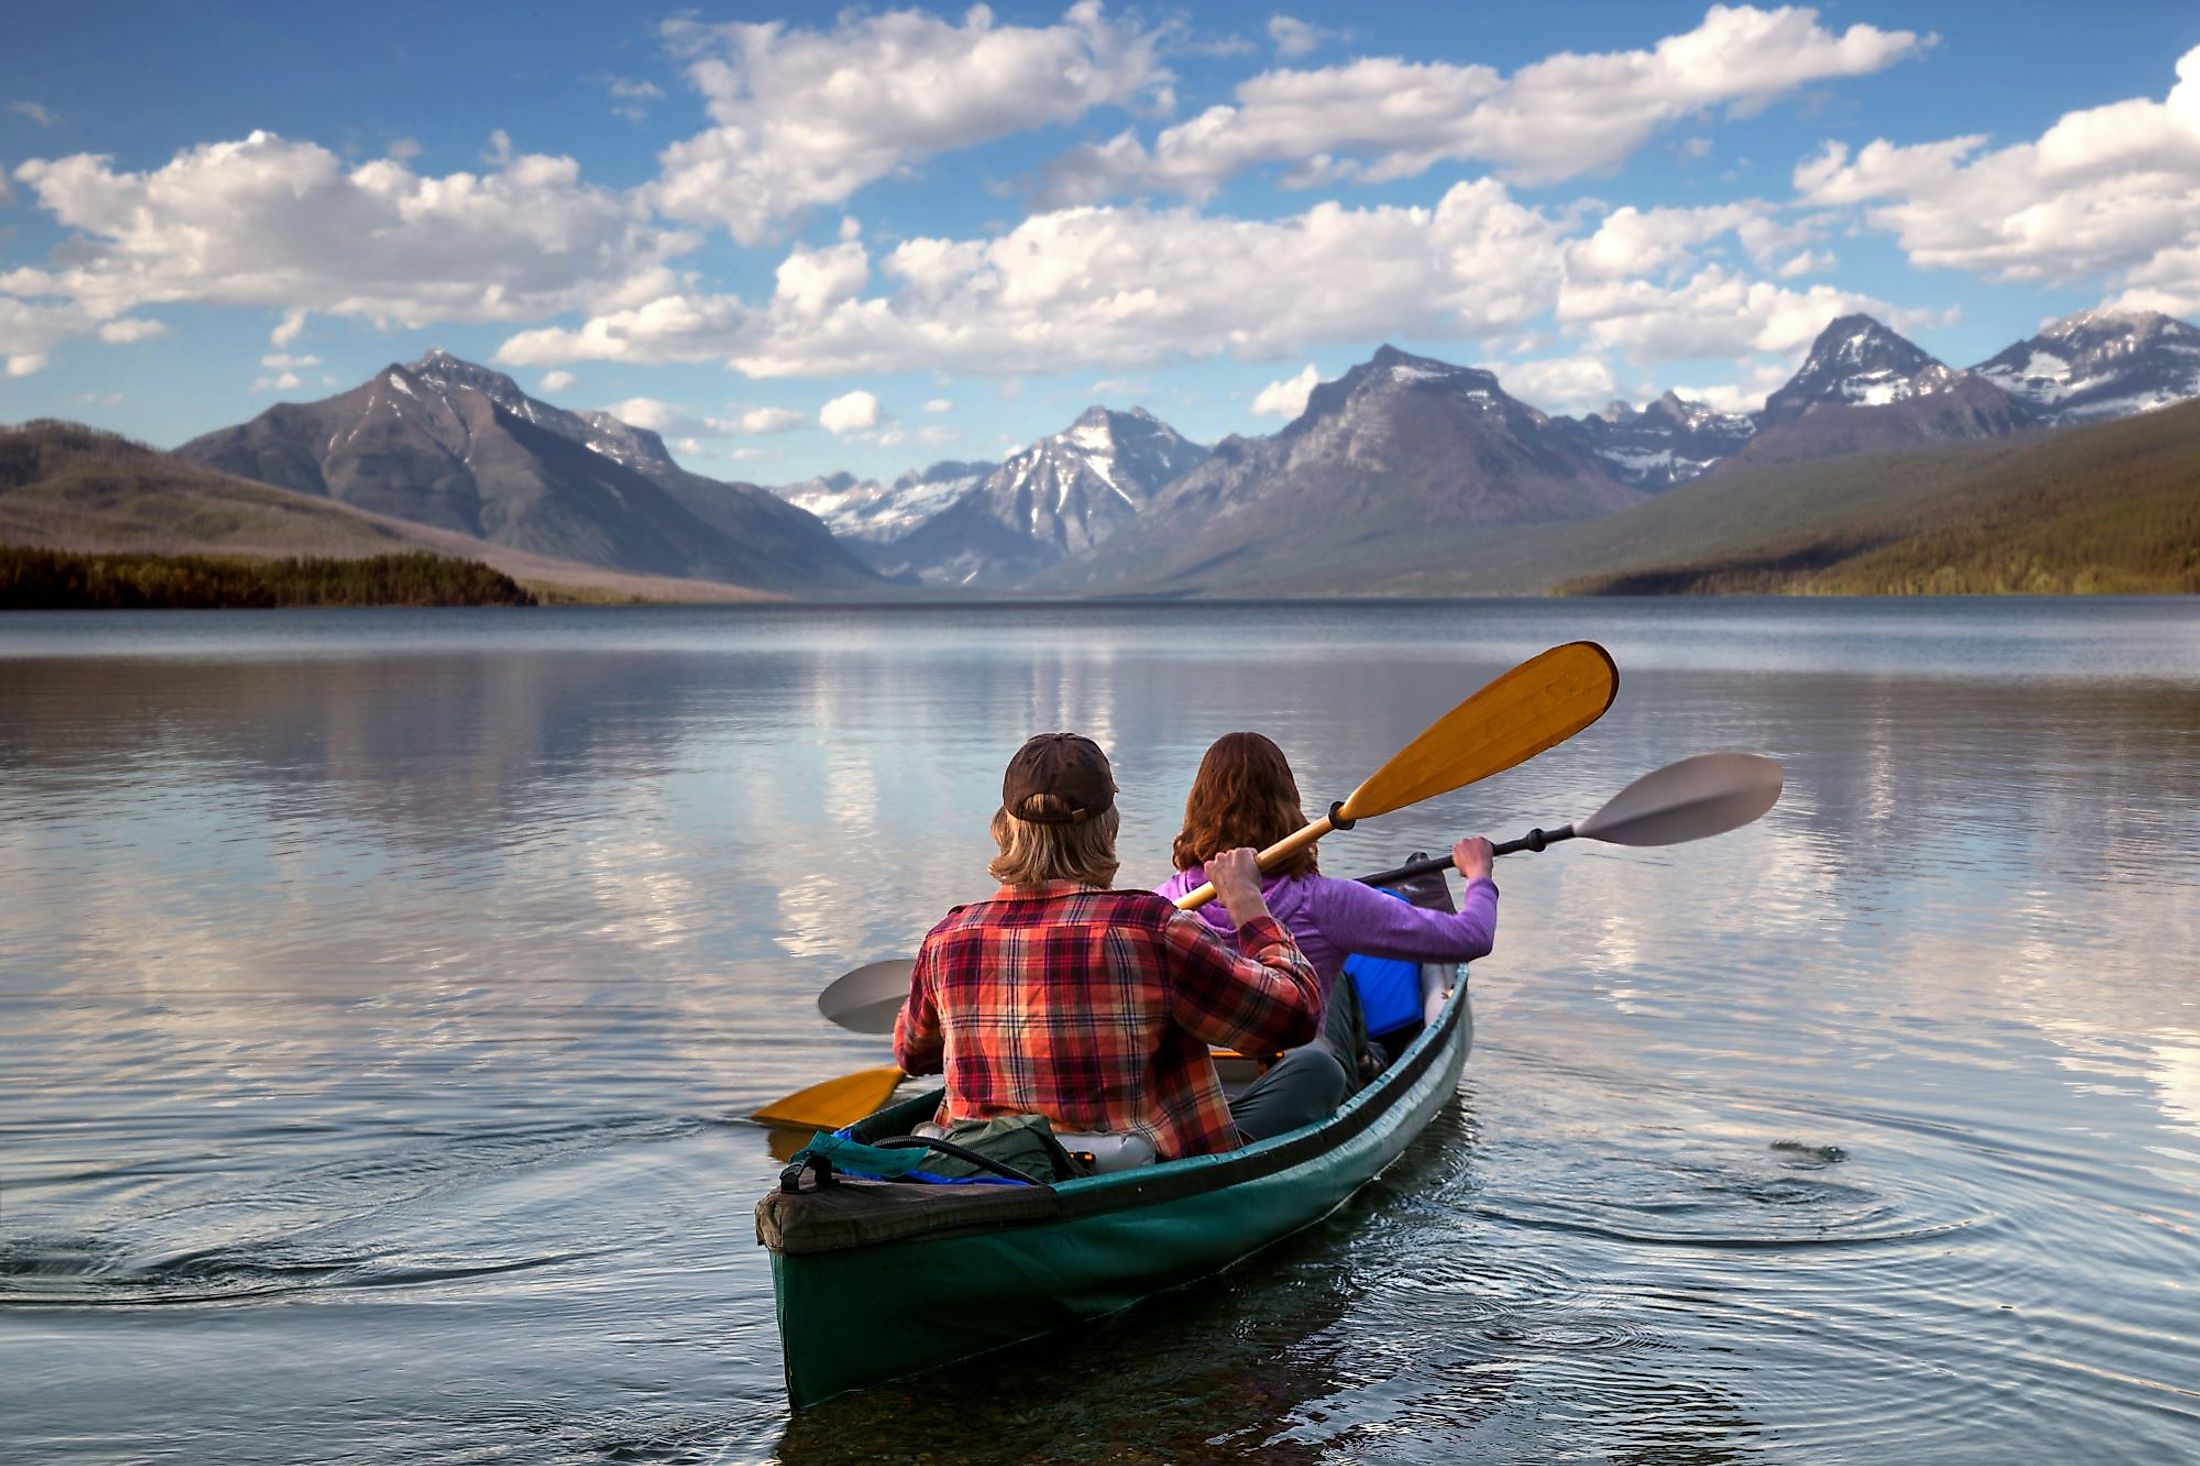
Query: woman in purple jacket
(1245,795)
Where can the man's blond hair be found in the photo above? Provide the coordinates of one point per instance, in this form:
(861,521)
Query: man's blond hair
(1034,853)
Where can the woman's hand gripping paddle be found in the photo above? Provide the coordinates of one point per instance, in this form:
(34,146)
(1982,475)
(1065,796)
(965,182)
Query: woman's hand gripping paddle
(1536,706)
(1691,800)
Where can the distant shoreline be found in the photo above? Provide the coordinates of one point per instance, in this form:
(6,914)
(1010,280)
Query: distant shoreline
(36,579)
(33,579)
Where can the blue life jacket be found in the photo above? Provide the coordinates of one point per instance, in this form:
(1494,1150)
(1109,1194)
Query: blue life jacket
(1389,988)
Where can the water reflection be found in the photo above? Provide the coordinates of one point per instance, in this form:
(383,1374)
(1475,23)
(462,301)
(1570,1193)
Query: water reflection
(378,985)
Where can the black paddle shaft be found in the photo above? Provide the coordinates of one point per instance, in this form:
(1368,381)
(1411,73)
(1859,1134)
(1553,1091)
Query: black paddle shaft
(1533,840)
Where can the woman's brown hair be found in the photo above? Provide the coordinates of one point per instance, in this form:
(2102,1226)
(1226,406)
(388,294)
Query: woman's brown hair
(1243,795)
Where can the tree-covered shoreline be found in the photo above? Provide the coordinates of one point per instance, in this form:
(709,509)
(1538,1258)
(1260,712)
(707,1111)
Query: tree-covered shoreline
(52,580)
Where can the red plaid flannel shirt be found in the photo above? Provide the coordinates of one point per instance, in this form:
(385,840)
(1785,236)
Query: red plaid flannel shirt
(1095,1008)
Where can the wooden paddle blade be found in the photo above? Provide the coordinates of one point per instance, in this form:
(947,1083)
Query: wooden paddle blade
(1537,705)
(1705,795)
(834,1103)
(868,999)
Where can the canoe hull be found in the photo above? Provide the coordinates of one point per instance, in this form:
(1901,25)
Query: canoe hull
(862,1316)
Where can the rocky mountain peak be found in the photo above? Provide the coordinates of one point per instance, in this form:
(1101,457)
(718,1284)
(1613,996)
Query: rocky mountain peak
(2100,364)
(1389,365)
(1390,371)
(614,438)
(1856,361)
(1669,442)
(1060,496)
(451,444)
(2106,321)
(637,448)
(448,373)
(869,513)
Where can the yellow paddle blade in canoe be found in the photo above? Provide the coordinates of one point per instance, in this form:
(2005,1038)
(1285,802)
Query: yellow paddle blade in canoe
(1537,705)
(834,1103)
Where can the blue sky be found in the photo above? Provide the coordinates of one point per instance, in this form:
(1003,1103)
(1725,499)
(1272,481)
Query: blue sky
(798,240)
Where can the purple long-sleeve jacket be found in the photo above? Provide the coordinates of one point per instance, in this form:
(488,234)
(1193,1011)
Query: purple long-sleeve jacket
(1332,919)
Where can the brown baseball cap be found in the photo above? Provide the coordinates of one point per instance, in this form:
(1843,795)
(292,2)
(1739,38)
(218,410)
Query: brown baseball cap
(1068,766)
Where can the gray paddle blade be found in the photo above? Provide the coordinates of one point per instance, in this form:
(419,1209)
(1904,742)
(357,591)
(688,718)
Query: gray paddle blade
(867,999)
(1705,795)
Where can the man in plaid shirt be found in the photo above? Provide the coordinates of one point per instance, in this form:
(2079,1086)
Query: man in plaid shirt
(1096,1007)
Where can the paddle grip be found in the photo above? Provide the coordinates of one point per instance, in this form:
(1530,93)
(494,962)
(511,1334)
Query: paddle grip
(1533,840)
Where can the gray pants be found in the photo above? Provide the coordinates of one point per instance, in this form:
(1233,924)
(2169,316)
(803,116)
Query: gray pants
(1305,1085)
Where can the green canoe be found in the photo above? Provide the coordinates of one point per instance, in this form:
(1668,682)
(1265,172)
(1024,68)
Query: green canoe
(879,1280)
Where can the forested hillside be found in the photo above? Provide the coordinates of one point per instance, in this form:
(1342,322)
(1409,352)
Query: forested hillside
(46,580)
(2113,509)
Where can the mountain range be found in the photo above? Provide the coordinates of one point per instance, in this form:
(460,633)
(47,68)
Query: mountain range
(1399,468)
(1060,498)
(865,511)
(1399,444)
(1405,452)
(2101,364)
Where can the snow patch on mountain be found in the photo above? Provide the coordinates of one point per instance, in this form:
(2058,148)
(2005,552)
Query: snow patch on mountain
(1666,444)
(874,512)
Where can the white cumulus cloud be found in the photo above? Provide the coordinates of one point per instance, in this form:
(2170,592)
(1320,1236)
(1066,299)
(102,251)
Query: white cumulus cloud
(672,420)
(758,421)
(1560,384)
(1378,119)
(1715,312)
(1123,286)
(134,329)
(30,330)
(852,412)
(802,118)
(2111,191)
(1080,287)
(1286,398)
(649,413)
(270,222)
(1119,287)
(811,282)
(556,381)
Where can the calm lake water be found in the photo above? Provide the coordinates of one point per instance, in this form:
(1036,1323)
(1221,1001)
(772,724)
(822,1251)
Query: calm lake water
(380,993)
